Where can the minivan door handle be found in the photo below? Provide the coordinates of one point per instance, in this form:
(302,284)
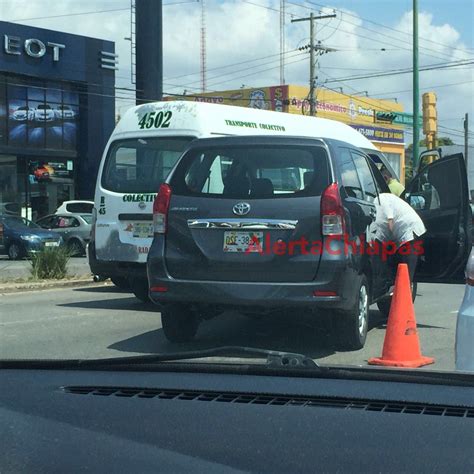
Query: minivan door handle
(254,224)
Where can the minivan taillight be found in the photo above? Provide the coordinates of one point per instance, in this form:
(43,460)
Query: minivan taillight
(160,209)
(332,212)
(93,223)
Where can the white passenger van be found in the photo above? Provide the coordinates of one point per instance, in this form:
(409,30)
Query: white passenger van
(143,149)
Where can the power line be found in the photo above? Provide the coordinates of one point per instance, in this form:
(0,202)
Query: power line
(377,32)
(92,12)
(430,67)
(468,50)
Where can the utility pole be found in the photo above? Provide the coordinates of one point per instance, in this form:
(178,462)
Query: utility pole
(149,67)
(466,140)
(416,89)
(313,51)
(203,47)
(282,42)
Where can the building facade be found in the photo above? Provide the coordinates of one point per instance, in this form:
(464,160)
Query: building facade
(57,110)
(358,112)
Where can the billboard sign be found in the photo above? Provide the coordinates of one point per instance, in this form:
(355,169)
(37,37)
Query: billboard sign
(378,134)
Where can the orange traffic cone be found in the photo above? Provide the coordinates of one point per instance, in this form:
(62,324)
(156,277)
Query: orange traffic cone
(401,346)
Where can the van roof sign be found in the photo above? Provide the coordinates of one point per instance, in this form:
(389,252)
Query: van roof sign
(206,120)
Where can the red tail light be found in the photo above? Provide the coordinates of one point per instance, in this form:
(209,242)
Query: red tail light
(332,212)
(160,209)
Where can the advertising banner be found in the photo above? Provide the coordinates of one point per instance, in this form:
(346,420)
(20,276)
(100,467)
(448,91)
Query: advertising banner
(378,134)
(42,117)
(264,98)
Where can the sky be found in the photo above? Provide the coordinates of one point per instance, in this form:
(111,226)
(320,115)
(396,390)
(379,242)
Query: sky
(370,36)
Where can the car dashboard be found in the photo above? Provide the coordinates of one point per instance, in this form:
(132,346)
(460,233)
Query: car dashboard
(183,420)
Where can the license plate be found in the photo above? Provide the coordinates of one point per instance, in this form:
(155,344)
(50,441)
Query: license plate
(239,241)
(51,244)
(142,230)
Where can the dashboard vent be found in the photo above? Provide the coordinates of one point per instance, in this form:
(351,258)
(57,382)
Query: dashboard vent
(272,399)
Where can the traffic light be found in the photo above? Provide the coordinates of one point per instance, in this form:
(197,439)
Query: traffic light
(385,117)
(429,113)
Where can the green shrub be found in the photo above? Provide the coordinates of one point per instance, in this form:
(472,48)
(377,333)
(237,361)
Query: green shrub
(50,263)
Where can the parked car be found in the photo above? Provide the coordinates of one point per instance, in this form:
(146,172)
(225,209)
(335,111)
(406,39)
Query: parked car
(464,353)
(75,207)
(10,208)
(42,173)
(44,113)
(64,112)
(75,229)
(20,236)
(23,113)
(228,234)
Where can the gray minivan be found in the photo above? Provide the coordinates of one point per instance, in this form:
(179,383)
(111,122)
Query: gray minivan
(261,224)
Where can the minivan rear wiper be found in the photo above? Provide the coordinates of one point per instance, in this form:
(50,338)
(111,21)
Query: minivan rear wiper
(273,358)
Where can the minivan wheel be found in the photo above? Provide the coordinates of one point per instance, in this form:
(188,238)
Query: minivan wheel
(352,325)
(384,304)
(179,322)
(15,251)
(139,287)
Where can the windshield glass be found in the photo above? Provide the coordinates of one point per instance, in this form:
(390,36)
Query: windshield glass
(137,165)
(266,176)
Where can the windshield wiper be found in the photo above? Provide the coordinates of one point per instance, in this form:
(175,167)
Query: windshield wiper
(273,358)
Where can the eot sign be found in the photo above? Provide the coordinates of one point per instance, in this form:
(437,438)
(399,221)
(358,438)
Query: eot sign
(32,47)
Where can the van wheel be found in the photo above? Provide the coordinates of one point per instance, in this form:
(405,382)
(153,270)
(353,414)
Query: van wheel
(384,304)
(352,325)
(179,323)
(139,287)
(120,282)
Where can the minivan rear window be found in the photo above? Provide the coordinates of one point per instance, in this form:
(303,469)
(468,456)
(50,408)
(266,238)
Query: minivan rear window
(139,165)
(259,172)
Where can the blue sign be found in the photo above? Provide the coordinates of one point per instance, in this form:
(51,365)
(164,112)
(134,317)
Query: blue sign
(379,134)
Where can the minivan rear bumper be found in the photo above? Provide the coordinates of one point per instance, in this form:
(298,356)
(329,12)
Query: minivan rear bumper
(339,278)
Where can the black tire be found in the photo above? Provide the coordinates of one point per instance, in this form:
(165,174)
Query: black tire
(384,304)
(15,251)
(179,323)
(121,282)
(76,248)
(352,326)
(139,287)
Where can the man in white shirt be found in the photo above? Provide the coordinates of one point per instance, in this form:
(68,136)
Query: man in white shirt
(396,221)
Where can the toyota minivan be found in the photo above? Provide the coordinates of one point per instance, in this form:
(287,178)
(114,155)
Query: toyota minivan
(259,224)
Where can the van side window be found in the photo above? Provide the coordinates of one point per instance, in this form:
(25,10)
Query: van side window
(365,176)
(350,179)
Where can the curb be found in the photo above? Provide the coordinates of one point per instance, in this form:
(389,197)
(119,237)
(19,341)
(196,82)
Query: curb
(49,284)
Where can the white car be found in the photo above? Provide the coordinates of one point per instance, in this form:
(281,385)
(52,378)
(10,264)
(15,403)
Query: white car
(465,323)
(75,207)
(23,113)
(64,112)
(44,113)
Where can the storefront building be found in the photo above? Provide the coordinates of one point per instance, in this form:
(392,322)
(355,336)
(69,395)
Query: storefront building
(57,112)
(356,111)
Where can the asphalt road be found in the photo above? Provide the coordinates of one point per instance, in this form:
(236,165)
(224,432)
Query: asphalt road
(16,269)
(101,321)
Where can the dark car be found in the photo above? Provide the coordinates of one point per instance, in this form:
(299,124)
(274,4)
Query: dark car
(20,236)
(261,224)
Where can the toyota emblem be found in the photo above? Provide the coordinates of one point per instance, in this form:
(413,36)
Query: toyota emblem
(241,208)
(141,205)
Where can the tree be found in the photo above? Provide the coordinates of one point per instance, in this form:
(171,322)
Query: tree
(442,141)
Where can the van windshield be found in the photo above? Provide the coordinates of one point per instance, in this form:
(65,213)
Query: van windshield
(259,171)
(139,165)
